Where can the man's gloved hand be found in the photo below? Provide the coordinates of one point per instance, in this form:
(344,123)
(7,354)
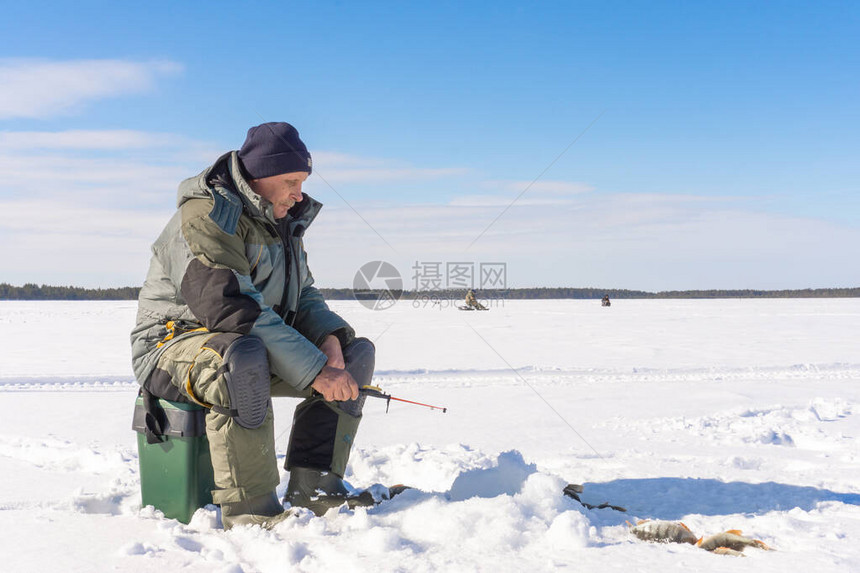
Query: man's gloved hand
(335,384)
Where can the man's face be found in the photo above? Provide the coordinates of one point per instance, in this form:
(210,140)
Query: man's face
(284,190)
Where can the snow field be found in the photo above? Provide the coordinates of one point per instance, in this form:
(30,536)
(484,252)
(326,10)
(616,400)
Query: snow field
(724,414)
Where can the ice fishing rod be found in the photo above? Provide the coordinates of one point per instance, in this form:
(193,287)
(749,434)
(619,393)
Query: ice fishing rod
(376,392)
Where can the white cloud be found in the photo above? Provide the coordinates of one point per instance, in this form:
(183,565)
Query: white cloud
(541,187)
(383,175)
(69,218)
(86,139)
(336,159)
(106,167)
(336,167)
(509,192)
(34,88)
(67,242)
(69,215)
(89,180)
(116,167)
(655,242)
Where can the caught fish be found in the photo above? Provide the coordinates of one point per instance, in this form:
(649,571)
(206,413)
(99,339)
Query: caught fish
(727,551)
(731,540)
(662,531)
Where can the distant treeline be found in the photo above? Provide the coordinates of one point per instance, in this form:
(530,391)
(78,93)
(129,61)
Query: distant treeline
(46,292)
(596,293)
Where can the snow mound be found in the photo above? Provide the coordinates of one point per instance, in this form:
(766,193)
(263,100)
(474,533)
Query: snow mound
(505,478)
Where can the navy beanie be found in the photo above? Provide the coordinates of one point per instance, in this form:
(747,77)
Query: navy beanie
(272,149)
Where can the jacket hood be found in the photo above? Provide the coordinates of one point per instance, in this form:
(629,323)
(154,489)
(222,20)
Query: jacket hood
(225,178)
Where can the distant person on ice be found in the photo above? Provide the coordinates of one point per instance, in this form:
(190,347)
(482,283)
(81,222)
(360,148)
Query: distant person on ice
(472,301)
(605,301)
(228,316)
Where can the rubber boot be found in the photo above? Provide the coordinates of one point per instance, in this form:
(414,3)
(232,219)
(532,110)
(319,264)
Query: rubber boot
(320,491)
(322,437)
(316,490)
(264,510)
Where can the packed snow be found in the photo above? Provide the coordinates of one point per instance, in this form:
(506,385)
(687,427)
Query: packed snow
(723,414)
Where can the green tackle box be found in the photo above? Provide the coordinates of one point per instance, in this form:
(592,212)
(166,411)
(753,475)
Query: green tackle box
(176,474)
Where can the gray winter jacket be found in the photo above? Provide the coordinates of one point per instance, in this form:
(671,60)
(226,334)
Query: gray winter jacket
(224,264)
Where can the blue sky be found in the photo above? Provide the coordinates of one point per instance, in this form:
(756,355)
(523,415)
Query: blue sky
(722,150)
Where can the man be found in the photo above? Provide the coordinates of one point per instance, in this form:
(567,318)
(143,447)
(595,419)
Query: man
(472,301)
(228,316)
